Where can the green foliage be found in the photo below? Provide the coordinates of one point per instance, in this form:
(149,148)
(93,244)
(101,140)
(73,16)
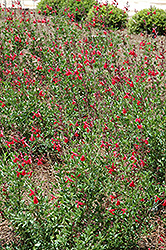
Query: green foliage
(54,5)
(80,8)
(107,15)
(148,19)
(157,141)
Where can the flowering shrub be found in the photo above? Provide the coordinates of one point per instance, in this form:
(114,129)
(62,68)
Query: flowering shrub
(50,6)
(80,8)
(82,134)
(77,8)
(107,15)
(152,21)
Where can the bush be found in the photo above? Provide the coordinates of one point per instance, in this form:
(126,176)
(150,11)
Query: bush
(50,5)
(109,15)
(80,9)
(151,20)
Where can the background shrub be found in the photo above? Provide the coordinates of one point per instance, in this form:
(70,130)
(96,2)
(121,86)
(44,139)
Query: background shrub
(150,20)
(53,4)
(109,15)
(80,8)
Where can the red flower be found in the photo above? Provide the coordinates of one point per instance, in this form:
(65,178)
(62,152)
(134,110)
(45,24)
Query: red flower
(124,111)
(138,120)
(139,126)
(125,157)
(111,170)
(112,197)
(132,184)
(118,203)
(131,84)
(164,204)
(16,159)
(68,179)
(112,211)
(30,174)
(23,172)
(18,173)
(66,140)
(105,65)
(35,200)
(41,93)
(124,210)
(73,102)
(32,192)
(138,102)
(160,240)
(1,134)
(39,161)
(32,138)
(82,158)
(142,163)
(53,197)
(79,203)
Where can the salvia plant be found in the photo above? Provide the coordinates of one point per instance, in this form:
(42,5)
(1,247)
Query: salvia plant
(107,15)
(82,133)
(151,21)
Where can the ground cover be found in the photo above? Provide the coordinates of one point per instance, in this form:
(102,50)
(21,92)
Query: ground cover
(82,135)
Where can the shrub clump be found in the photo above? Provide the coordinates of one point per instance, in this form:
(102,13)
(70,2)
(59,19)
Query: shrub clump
(107,15)
(48,6)
(151,20)
(80,8)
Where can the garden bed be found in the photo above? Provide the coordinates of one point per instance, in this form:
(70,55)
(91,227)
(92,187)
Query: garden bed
(82,136)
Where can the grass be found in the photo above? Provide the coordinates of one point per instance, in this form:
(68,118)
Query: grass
(82,136)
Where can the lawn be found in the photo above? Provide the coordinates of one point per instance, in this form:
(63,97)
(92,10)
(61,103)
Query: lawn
(82,135)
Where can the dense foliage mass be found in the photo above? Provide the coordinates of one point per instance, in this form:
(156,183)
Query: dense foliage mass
(106,15)
(49,7)
(151,21)
(80,9)
(76,8)
(82,134)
